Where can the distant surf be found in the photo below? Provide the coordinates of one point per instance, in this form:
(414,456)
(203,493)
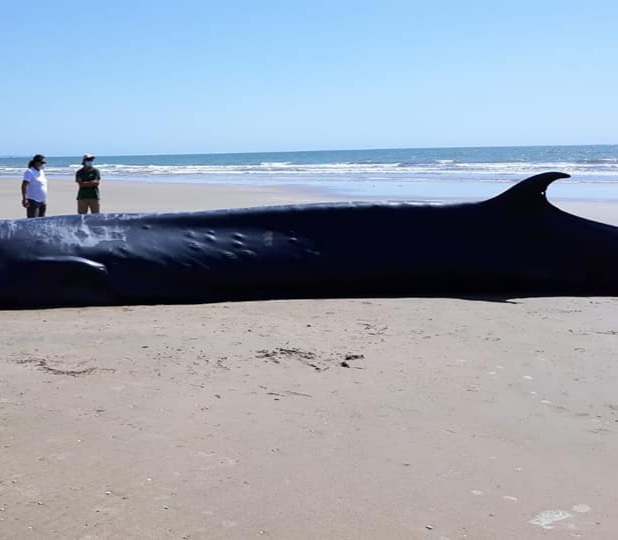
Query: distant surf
(409,172)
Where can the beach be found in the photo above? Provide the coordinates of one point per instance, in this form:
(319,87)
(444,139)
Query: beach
(402,418)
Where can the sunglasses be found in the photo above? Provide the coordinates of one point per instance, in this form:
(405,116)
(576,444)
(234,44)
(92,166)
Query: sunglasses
(41,162)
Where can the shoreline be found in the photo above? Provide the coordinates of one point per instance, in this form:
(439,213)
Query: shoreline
(441,187)
(137,196)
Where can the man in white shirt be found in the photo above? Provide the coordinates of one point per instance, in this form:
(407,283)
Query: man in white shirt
(34,188)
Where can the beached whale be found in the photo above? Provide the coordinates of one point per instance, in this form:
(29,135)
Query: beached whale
(515,244)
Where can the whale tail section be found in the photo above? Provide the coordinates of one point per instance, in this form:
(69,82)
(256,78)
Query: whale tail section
(529,192)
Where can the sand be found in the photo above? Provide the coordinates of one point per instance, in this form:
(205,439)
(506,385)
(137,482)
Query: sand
(318,419)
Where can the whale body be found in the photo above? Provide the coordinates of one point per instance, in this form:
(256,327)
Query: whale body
(513,245)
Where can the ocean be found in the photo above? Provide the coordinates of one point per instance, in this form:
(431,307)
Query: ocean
(412,173)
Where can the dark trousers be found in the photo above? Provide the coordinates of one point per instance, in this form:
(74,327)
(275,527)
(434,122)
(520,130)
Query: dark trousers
(36,209)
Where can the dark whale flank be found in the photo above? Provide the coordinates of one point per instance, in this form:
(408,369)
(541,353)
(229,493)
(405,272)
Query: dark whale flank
(515,244)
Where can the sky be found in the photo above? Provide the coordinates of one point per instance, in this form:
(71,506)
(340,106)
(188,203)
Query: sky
(151,77)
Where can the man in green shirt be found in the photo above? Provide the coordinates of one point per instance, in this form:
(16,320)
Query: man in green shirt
(88,179)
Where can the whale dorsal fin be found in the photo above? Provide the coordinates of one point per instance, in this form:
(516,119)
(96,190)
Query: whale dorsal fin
(530,191)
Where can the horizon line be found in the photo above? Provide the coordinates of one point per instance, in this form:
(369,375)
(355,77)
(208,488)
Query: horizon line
(13,156)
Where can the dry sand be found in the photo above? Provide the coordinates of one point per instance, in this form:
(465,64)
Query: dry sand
(331,419)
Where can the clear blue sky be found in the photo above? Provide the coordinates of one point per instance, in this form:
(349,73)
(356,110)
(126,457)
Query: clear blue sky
(133,77)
